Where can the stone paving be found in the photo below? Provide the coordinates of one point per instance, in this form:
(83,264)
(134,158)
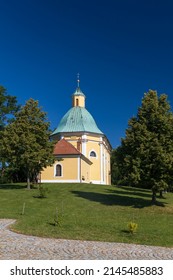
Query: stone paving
(14,246)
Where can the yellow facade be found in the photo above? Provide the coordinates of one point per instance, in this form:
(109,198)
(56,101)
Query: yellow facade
(95,170)
(85,172)
(72,170)
(49,173)
(78,101)
(91,163)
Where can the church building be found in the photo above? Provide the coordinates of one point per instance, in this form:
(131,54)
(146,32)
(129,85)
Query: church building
(82,151)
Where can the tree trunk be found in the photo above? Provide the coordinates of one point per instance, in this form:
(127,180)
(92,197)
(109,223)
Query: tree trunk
(153,201)
(28,183)
(161,194)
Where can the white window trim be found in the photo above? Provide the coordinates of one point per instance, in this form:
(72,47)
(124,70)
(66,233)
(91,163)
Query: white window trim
(55,170)
(96,157)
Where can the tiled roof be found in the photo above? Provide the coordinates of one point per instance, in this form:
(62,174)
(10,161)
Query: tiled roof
(63,147)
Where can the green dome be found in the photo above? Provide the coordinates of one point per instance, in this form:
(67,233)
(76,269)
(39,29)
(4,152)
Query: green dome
(77,119)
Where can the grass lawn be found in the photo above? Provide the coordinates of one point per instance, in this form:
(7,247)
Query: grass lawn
(89,212)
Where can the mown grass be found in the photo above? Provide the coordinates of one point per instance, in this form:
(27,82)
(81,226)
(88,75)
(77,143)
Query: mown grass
(89,212)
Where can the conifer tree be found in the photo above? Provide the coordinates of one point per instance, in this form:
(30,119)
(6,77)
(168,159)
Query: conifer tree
(145,156)
(25,142)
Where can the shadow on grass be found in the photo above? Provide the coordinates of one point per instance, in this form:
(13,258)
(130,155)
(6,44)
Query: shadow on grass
(131,192)
(134,189)
(116,199)
(52,224)
(16,186)
(125,231)
(12,186)
(39,196)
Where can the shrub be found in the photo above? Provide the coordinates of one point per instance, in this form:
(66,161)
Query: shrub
(132,227)
(43,192)
(57,218)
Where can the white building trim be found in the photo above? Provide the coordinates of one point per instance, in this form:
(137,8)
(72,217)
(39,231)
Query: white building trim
(60,181)
(101,160)
(104,181)
(97,182)
(84,140)
(79,169)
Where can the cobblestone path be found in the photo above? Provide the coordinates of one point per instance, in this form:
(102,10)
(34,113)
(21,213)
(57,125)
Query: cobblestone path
(14,246)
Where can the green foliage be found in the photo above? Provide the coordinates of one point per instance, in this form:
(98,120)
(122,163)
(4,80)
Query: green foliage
(43,191)
(145,156)
(25,143)
(116,177)
(132,227)
(8,107)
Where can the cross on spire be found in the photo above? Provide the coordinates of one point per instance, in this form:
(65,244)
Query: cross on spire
(78,81)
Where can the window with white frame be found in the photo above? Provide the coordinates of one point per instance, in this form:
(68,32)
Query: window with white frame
(93,154)
(58,170)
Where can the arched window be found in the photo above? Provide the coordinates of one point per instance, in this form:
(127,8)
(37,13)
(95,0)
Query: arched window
(77,102)
(58,171)
(92,154)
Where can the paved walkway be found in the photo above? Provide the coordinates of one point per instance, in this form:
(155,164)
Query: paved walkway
(14,246)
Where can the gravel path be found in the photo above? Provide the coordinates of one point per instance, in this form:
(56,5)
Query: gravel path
(14,246)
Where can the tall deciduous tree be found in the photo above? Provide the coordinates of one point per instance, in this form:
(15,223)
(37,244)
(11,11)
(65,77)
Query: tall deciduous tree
(8,107)
(145,156)
(25,142)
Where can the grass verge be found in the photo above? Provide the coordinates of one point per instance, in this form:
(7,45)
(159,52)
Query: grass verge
(89,212)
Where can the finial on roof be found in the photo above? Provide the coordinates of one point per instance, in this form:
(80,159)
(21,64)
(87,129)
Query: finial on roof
(78,81)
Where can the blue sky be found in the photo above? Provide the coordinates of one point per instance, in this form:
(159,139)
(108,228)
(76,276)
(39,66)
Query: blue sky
(120,48)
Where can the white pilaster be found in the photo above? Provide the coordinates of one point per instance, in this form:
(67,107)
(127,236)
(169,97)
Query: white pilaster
(101,161)
(84,138)
(79,169)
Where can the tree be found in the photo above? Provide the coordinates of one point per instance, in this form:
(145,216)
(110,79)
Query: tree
(115,173)
(8,107)
(145,156)
(25,142)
